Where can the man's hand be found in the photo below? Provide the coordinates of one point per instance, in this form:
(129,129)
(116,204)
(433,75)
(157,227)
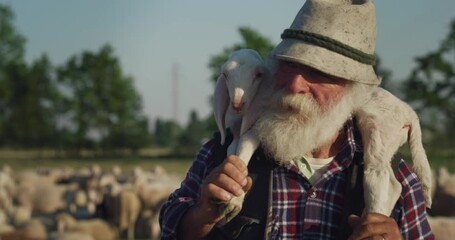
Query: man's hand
(225,181)
(374,226)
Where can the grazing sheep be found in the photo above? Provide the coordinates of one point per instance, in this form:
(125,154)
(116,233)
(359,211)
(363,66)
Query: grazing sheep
(49,198)
(7,184)
(237,107)
(444,194)
(34,228)
(386,123)
(20,215)
(97,228)
(4,223)
(124,207)
(443,228)
(130,208)
(70,236)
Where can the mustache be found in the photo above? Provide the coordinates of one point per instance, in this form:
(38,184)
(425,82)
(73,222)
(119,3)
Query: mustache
(285,102)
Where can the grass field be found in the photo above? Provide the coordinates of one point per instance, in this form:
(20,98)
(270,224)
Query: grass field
(147,159)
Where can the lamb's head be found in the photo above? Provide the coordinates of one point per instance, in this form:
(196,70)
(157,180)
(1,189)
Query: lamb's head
(242,74)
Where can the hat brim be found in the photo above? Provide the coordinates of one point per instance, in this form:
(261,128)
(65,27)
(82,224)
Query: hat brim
(326,61)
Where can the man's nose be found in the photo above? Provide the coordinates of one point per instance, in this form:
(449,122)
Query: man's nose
(294,83)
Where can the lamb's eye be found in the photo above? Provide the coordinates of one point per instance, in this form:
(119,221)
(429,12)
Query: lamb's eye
(258,75)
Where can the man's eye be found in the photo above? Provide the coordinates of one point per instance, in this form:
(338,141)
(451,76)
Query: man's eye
(288,67)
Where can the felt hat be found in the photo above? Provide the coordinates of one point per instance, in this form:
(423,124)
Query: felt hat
(337,37)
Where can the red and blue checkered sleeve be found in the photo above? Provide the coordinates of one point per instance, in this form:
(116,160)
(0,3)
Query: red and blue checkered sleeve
(410,212)
(186,196)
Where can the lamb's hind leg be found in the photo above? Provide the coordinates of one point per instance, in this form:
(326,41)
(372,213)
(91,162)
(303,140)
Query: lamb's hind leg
(381,188)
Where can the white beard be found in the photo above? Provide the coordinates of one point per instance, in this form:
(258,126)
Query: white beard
(296,124)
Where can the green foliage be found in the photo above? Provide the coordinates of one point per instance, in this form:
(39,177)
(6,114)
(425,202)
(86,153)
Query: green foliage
(193,133)
(167,133)
(431,87)
(102,104)
(11,65)
(86,103)
(12,44)
(29,115)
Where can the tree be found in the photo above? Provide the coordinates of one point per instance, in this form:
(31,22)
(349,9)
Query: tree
(431,87)
(12,46)
(30,113)
(27,94)
(167,133)
(104,108)
(194,133)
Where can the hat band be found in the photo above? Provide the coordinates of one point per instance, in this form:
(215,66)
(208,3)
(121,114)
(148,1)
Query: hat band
(330,44)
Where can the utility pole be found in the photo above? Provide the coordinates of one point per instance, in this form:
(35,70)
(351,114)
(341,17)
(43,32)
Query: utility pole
(175,92)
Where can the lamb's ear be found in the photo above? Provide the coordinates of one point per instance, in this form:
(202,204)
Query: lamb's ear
(250,117)
(221,103)
(261,72)
(254,110)
(267,75)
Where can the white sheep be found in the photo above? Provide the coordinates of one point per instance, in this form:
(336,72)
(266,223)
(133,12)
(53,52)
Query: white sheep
(70,236)
(443,228)
(97,228)
(237,107)
(443,194)
(386,123)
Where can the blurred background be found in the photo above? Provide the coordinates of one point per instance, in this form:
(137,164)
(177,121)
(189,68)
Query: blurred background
(104,99)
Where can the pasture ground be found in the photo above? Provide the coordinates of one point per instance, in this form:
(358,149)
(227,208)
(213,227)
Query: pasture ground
(149,158)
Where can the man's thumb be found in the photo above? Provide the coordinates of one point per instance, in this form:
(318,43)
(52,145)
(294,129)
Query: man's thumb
(353,220)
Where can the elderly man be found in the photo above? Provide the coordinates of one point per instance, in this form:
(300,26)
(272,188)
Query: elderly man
(310,147)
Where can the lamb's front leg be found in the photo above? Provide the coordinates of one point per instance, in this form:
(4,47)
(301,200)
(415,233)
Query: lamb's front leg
(247,144)
(381,188)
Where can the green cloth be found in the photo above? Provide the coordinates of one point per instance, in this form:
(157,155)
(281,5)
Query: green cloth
(304,167)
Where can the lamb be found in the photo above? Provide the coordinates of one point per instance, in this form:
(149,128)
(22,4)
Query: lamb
(386,123)
(237,107)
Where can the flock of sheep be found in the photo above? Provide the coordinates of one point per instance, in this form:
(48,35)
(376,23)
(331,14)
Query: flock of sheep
(83,204)
(91,204)
(442,219)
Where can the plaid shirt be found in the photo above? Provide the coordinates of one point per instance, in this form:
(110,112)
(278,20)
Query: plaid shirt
(301,210)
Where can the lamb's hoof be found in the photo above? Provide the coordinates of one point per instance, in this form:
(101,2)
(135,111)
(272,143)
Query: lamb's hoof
(230,209)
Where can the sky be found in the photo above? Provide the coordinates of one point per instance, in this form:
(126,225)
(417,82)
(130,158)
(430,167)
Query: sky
(160,41)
